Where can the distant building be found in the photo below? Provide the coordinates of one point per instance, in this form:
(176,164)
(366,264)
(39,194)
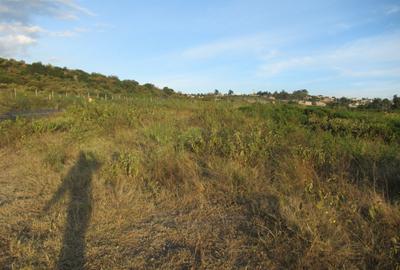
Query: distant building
(320,104)
(327,100)
(305,103)
(365,101)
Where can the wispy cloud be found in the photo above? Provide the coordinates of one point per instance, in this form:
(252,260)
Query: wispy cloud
(68,33)
(219,47)
(377,72)
(16,37)
(75,7)
(17,33)
(245,44)
(359,58)
(275,68)
(24,10)
(14,28)
(392,9)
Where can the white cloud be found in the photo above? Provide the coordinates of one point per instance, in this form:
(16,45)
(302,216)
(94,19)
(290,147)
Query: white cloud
(393,10)
(14,44)
(16,37)
(19,28)
(68,33)
(15,28)
(17,33)
(281,66)
(382,72)
(373,49)
(246,44)
(25,10)
(74,6)
(360,58)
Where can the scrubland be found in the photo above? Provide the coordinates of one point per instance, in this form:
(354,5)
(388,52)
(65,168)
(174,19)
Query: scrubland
(178,183)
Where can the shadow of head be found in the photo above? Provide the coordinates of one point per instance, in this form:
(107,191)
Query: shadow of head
(77,182)
(87,160)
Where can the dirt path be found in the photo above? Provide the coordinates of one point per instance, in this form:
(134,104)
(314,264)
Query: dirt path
(28,114)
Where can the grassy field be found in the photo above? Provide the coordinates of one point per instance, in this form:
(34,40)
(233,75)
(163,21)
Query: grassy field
(176,183)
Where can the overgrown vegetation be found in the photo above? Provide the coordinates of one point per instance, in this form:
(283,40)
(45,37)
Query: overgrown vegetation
(187,183)
(43,79)
(178,183)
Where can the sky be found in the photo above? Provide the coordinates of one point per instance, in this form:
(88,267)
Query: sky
(332,47)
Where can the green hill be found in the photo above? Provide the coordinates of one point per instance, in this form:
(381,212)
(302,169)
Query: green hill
(38,77)
(35,86)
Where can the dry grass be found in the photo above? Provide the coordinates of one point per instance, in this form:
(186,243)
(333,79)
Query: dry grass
(205,188)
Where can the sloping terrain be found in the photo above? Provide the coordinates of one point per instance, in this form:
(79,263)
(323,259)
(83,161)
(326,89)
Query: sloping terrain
(44,79)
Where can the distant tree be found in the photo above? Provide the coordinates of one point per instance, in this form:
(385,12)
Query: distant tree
(283,95)
(343,101)
(149,85)
(216,92)
(132,82)
(380,104)
(113,77)
(300,94)
(264,93)
(168,91)
(38,68)
(386,104)
(230,92)
(396,102)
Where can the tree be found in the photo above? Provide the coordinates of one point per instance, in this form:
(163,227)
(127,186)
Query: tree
(148,85)
(168,91)
(264,93)
(300,94)
(396,102)
(343,101)
(37,67)
(230,92)
(216,92)
(380,104)
(283,95)
(386,104)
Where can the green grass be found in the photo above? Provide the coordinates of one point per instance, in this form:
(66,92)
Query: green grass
(193,184)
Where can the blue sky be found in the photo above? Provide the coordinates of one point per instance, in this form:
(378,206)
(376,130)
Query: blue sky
(341,48)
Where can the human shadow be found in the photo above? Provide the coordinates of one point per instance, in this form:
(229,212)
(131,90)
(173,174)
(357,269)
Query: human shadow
(78,183)
(264,220)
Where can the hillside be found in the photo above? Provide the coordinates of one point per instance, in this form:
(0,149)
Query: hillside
(149,182)
(25,87)
(38,77)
